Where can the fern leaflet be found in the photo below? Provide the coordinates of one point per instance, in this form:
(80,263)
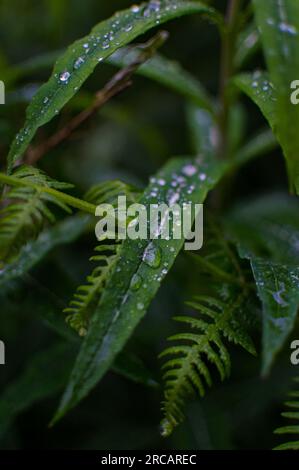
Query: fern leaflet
(293,414)
(27,209)
(88,296)
(188,372)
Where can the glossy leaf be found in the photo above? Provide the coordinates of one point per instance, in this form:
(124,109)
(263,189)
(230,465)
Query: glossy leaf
(138,275)
(267,232)
(259,88)
(278,21)
(278,289)
(79,61)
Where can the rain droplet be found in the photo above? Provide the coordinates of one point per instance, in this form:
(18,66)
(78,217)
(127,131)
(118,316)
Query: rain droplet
(152,256)
(189,170)
(80,61)
(135,8)
(140,306)
(287,28)
(64,77)
(277,296)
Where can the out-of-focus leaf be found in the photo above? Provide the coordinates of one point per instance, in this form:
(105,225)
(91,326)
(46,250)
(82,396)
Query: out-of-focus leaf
(78,62)
(278,21)
(267,232)
(247,45)
(203,131)
(259,88)
(142,266)
(260,144)
(44,376)
(131,367)
(34,251)
(168,73)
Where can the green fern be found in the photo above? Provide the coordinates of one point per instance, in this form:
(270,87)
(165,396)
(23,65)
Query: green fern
(25,209)
(109,191)
(293,404)
(87,296)
(188,372)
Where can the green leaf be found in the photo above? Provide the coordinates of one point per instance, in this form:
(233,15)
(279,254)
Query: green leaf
(259,88)
(203,131)
(248,44)
(131,367)
(31,254)
(42,378)
(168,73)
(142,266)
(263,142)
(278,21)
(278,289)
(79,61)
(273,250)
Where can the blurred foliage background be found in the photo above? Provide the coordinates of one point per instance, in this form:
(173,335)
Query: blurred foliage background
(130,138)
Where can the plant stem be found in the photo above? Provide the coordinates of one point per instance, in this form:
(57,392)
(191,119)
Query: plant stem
(70,200)
(227,68)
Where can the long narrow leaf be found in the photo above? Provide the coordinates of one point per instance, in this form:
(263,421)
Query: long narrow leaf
(278,21)
(138,275)
(79,61)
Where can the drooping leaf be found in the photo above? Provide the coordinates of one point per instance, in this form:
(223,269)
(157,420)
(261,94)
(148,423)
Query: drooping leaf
(142,266)
(278,289)
(168,73)
(259,88)
(267,232)
(78,62)
(131,367)
(260,144)
(278,21)
(203,131)
(42,378)
(248,44)
(34,251)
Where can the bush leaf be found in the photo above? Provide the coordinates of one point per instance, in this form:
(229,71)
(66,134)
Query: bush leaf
(138,275)
(273,250)
(30,255)
(278,21)
(78,62)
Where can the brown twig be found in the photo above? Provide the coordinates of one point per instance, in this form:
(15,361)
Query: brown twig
(119,82)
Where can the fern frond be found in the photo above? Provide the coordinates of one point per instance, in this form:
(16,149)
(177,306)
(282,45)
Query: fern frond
(188,372)
(109,191)
(293,414)
(25,209)
(88,296)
